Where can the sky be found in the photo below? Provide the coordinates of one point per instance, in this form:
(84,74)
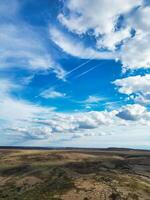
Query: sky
(75,73)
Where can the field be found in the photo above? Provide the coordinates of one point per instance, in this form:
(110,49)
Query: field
(74,174)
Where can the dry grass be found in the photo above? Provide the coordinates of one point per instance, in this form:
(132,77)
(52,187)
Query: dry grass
(74,174)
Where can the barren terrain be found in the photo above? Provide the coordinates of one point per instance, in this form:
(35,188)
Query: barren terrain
(70,174)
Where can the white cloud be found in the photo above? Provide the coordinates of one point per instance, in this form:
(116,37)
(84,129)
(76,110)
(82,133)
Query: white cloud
(87,122)
(138,87)
(90,18)
(76,48)
(21,44)
(113,39)
(6,87)
(77,122)
(132,112)
(135,53)
(29,121)
(134,84)
(21,47)
(142,99)
(93,99)
(30,133)
(51,93)
(87,15)
(16,112)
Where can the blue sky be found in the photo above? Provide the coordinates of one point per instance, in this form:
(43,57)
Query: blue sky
(72,74)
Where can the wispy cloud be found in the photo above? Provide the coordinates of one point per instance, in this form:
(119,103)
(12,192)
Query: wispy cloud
(22,45)
(93,99)
(16,112)
(51,93)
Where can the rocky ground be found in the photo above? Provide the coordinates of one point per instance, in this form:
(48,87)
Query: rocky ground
(74,174)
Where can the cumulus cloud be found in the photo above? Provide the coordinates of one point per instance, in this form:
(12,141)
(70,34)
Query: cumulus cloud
(142,99)
(132,112)
(138,87)
(23,119)
(134,84)
(122,31)
(27,120)
(85,15)
(77,122)
(83,123)
(113,39)
(135,52)
(56,124)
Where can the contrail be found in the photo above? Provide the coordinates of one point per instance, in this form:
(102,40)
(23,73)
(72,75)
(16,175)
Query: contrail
(70,72)
(78,67)
(83,73)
